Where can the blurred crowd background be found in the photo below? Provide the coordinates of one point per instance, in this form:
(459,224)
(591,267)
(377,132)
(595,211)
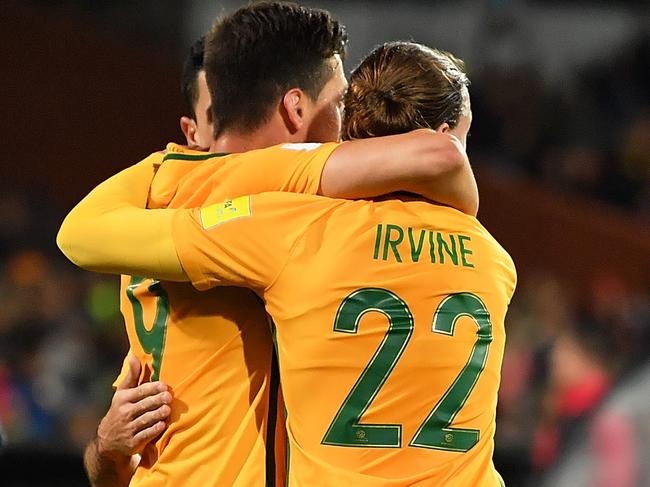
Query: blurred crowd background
(560,144)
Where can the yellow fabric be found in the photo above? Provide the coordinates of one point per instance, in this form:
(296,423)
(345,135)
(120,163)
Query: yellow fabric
(92,235)
(217,345)
(123,371)
(305,254)
(296,168)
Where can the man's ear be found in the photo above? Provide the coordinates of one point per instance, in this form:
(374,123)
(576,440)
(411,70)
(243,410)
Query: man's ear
(294,103)
(443,127)
(188,127)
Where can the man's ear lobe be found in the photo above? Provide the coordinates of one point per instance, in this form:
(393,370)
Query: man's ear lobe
(294,106)
(188,127)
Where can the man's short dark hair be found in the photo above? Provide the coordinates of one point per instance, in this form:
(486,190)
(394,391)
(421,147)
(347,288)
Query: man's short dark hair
(258,53)
(189,78)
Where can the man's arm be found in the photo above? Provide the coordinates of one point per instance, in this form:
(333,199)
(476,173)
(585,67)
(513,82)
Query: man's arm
(424,162)
(106,231)
(136,416)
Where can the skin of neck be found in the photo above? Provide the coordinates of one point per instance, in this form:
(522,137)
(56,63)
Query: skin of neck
(273,132)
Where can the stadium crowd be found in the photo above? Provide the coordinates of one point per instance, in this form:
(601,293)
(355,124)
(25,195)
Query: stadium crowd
(589,135)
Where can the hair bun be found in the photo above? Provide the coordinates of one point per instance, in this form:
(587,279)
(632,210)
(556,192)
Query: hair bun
(401,86)
(388,95)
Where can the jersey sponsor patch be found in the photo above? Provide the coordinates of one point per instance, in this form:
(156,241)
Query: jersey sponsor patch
(219,213)
(309,146)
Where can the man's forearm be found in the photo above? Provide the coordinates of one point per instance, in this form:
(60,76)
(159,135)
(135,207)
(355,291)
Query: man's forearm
(111,218)
(105,471)
(431,164)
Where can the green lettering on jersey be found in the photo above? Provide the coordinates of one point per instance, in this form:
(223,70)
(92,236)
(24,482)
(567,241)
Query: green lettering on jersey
(393,242)
(347,428)
(432,247)
(436,432)
(450,250)
(416,250)
(464,251)
(375,254)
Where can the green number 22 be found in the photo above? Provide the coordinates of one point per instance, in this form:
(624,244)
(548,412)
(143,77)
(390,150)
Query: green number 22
(152,339)
(435,432)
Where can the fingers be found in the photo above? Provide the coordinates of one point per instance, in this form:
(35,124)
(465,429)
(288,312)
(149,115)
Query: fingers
(131,379)
(149,433)
(141,392)
(125,425)
(151,403)
(151,418)
(137,414)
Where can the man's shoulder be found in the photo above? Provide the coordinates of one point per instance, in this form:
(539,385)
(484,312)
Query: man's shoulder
(293,150)
(173,164)
(281,210)
(172,151)
(295,202)
(175,152)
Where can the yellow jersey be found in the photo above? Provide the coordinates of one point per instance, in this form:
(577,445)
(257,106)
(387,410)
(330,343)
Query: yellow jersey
(213,349)
(389,328)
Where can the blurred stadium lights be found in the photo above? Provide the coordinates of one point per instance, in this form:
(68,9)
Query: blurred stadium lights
(556,37)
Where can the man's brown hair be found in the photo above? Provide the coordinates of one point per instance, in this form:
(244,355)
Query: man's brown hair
(402,86)
(258,53)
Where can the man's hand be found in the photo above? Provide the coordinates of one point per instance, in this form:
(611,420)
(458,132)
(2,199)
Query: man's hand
(138,414)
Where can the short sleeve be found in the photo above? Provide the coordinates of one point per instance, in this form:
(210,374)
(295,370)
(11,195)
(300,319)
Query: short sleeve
(246,241)
(239,242)
(294,168)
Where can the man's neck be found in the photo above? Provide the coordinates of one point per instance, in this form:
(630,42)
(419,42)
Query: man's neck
(265,136)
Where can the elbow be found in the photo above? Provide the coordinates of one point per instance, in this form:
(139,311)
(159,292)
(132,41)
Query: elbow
(445,163)
(463,183)
(443,154)
(458,160)
(436,155)
(64,241)
(68,243)
(472,205)
(465,200)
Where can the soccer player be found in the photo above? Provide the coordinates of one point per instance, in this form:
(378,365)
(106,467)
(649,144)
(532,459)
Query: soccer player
(138,412)
(211,348)
(388,314)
